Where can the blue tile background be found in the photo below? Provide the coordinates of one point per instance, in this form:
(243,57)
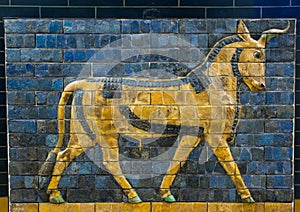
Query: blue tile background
(43,56)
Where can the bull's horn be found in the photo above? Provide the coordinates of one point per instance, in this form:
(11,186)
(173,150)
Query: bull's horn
(269,34)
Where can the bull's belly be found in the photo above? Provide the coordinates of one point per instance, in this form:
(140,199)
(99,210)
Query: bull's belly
(158,110)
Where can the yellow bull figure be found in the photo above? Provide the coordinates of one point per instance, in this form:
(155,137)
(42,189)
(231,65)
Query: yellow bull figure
(199,106)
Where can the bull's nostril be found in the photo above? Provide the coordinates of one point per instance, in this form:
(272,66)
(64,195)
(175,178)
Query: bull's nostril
(262,85)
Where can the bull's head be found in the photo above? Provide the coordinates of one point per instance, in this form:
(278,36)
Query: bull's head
(252,59)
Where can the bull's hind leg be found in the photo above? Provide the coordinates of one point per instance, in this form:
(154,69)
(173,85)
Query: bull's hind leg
(110,151)
(186,145)
(223,153)
(63,159)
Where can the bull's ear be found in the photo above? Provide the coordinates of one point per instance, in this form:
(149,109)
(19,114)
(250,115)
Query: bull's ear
(243,31)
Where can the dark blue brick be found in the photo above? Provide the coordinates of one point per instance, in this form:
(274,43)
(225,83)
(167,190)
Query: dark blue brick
(96,3)
(282,98)
(279,181)
(221,26)
(22,112)
(262,3)
(192,26)
(244,140)
(256,167)
(295,2)
(46,126)
(18,41)
(279,126)
(277,153)
(281,112)
(280,84)
(280,140)
(31,84)
(17,182)
(278,12)
(65,12)
(280,69)
(49,112)
(220,182)
(13,55)
(40,3)
(250,126)
(206,3)
(38,55)
(22,126)
(283,41)
(20,70)
(279,167)
(69,182)
(279,195)
(164,26)
(23,195)
(233,13)
(129,26)
(283,55)
(255,181)
(151,3)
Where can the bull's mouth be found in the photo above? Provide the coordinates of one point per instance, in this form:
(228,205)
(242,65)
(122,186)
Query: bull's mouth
(255,85)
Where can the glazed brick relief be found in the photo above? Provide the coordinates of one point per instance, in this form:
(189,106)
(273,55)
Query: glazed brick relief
(44,56)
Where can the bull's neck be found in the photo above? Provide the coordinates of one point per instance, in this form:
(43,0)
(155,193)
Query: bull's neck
(221,70)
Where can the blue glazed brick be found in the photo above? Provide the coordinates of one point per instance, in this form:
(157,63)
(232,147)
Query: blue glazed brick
(221,26)
(41,98)
(282,98)
(68,182)
(92,26)
(280,84)
(101,41)
(130,27)
(34,84)
(193,26)
(279,167)
(220,182)
(55,26)
(282,41)
(23,98)
(17,182)
(20,40)
(283,55)
(20,70)
(41,55)
(46,126)
(49,26)
(252,98)
(164,26)
(105,182)
(22,112)
(22,126)
(244,140)
(280,69)
(256,167)
(279,181)
(280,112)
(250,126)
(14,26)
(280,126)
(48,112)
(51,140)
(255,181)
(277,153)
(266,139)
(13,55)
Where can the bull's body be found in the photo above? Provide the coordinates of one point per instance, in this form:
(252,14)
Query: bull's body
(194,108)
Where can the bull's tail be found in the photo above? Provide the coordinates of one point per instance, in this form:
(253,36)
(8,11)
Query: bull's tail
(41,180)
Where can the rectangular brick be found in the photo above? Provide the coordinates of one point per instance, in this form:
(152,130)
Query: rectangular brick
(206,3)
(233,13)
(262,3)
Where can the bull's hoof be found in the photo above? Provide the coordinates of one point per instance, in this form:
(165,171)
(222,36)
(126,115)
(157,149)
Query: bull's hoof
(248,200)
(170,199)
(57,200)
(136,199)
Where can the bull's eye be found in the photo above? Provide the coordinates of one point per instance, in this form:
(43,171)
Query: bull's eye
(257,54)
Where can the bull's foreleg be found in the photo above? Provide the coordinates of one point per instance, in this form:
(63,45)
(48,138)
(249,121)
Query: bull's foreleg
(63,159)
(110,152)
(186,145)
(223,153)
